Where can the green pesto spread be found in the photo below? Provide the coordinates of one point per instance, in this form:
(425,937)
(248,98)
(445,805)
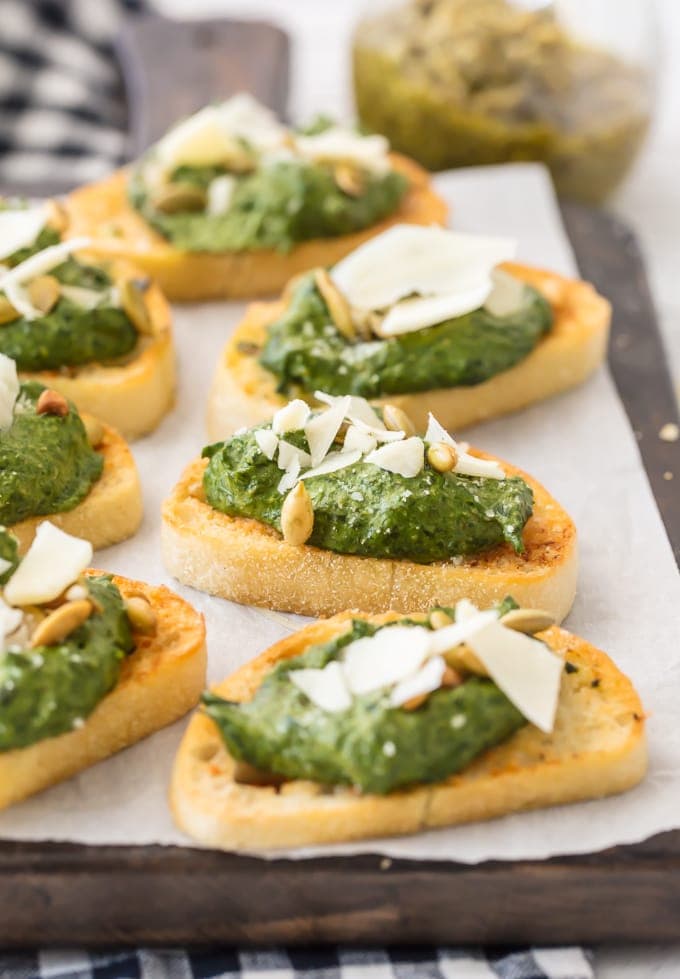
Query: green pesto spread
(9,552)
(69,335)
(304,349)
(276,206)
(48,690)
(283,733)
(366,510)
(46,462)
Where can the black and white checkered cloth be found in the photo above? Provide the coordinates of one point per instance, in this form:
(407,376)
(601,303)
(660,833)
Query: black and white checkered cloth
(63,122)
(332,963)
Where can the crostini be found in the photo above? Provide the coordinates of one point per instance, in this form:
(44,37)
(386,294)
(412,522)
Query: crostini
(425,318)
(231,203)
(360,727)
(319,511)
(90,663)
(55,463)
(97,330)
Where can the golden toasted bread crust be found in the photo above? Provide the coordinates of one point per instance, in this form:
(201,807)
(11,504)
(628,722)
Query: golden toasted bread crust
(159,682)
(136,393)
(103,211)
(596,749)
(246,561)
(244,393)
(111,511)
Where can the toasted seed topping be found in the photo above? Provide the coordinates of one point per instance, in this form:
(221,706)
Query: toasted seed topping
(44,292)
(52,402)
(439,619)
(297,516)
(415,702)
(349,179)
(175,197)
(60,623)
(528,620)
(7,311)
(133,300)
(396,420)
(141,614)
(94,430)
(463,660)
(338,307)
(442,457)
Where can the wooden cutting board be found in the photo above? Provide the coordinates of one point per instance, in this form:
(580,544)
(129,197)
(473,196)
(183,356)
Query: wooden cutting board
(58,894)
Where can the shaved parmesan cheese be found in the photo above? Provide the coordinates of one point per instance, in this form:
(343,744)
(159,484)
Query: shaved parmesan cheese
(10,620)
(332,463)
(387,657)
(9,391)
(220,192)
(437,433)
(359,408)
(406,458)
(359,439)
(291,418)
(290,476)
(42,261)
(267,442)
(18,297)
(466,465)
(288,453)
(339,144)
(85,298)
(380,434)
(508,295)
(19,228)
(427,679)
(5,565)
(322,429)
(527,672)
(248,119)
(410,260)
(410,315)
(54,561)
(325,688)
(460,631)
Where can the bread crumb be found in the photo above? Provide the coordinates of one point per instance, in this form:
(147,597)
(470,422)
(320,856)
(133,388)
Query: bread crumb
(668,475)
(669,432)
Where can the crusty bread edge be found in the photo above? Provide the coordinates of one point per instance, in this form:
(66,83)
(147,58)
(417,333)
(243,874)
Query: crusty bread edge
(111,511)
(210,806)
(248,562)
(160,681)
(243,393)
(196,276)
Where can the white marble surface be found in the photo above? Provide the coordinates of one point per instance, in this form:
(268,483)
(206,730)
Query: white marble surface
(650,201)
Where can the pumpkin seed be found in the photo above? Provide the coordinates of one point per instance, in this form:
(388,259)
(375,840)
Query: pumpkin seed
(8,314)
(462,659)
(141,615)
(528,620)
(297,516)
(439,619)
(58,625)
(133,300)
(94,429)
(338,307)
(44,292)
(349,179)
(442,457)
(396,420)
(178,197)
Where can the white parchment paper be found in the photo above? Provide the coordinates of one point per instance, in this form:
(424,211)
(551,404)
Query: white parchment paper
(579,445)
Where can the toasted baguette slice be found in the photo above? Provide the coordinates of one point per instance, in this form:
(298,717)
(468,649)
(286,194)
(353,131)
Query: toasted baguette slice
(159,682)
(102,210)
(134,394)
(244,393)
(596,749)
(248,562)
(111,511)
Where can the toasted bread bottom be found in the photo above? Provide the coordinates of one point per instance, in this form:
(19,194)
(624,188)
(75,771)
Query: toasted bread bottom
(159,682)
(246,561)
(596,749)
(111,511)
(102,210)
(134,395)
(244,393)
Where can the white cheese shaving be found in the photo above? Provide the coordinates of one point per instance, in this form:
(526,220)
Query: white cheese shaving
(386,658)
(427,679)
(460,631)
(332,463)
(5,565)
(346,145)
(290,476)
(53,562)
(18,297)
(323,428)
(248,119)
(19,228)
(380,434)
(359,439)
(359,408)
(508,295)
(325,688)
(87,298)
(291,418)
(410,260)
(9,391)
(289,453)
(267,442)
(437,433)
(40,263)
(410,315)
(528,673)
(220,192)
(406,458)
(466,464)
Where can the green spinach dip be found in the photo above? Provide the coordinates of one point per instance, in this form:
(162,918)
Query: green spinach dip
(46,462)
(49,690)
(365,510)
(282,732)
(70,335)
(276,206)
(304,349)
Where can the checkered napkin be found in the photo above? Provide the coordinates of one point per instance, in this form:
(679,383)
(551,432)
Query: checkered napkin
(63,122)
(332,963)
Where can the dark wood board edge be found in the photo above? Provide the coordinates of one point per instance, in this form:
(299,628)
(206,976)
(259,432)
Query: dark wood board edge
(58,894)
